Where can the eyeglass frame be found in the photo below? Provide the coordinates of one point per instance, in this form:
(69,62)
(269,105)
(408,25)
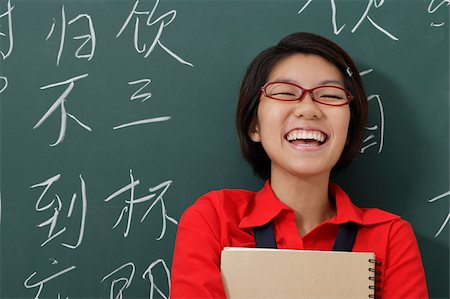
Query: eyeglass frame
(305,91)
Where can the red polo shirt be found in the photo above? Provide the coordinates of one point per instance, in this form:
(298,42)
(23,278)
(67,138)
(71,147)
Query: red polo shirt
(225,218)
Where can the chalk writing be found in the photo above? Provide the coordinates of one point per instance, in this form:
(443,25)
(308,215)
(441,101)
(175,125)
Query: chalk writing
(161,22)
(122,282)
(143,121)
(61,103)
(122,277)
(137,95)
(9,32)
(132,201)
(40,284)
(432,8)
(371,140)
(365,72)
(57,205)
(89,38)
(447,219)
(365,16)
(5,83)
(153,286)
(144,96)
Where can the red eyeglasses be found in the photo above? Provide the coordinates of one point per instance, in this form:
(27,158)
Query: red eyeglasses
(325,94)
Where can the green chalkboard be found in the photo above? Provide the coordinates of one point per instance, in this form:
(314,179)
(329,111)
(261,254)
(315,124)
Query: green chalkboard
(116,115)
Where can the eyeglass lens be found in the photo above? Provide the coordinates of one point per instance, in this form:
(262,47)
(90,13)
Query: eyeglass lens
(324,94)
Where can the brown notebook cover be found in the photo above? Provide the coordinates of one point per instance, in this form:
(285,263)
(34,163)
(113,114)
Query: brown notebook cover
(278,273)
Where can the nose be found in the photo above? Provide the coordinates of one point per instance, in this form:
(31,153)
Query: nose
(307,108)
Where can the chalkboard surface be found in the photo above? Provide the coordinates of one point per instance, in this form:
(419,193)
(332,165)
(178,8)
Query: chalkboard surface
(117,115)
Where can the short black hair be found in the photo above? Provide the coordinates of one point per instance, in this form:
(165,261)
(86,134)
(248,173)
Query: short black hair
(257,74)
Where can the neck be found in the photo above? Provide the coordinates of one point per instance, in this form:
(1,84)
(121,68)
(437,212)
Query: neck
(307,197)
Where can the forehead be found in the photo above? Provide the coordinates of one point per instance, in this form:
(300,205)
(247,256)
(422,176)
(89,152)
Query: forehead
(305,69)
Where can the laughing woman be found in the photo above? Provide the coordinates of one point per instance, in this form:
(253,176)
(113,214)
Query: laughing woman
(301,117)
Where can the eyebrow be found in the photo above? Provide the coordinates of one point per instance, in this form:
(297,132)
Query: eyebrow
(324,82)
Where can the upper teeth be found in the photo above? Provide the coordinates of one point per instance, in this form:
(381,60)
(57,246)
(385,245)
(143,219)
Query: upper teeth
(303,134)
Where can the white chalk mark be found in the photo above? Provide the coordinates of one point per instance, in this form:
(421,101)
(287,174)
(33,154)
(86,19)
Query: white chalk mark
(10,30)
(5,85)
(53,261)
(136,95)
(86,127)
(433,10)
(127,209)
(439,197)
(370,137)
(437,25)
(366,12)
(390,35)
(363,73)
(83,215)
(64,82)
(42,282)
(125,285)
(54,236)
(333,18)
(375,127)
(363,149)
(153,285)
(124,210)
(378,4)
(63,34)
(131,206)
(62,130)
(173,220)
(161,18)
(447,219)
(52,28)
(142,199)
(122,190)
(60,102)
(129,18)
(366,15)
(165,185)
(72,204)
(48,183)
(443,226)
(89,37)
(136,38)
(175,55)
(144,121)
(304,7)
(52,220)
(156,40)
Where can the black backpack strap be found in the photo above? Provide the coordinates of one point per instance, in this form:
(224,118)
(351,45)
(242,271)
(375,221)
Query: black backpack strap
(346,237)
(265,236)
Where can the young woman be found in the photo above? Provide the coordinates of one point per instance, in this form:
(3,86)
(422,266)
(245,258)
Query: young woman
(301,117)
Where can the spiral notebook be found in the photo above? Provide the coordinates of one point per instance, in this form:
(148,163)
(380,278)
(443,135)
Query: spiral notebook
(278,273)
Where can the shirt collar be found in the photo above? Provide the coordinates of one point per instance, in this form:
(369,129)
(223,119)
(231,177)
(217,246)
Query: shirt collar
(265,206)
(262,208)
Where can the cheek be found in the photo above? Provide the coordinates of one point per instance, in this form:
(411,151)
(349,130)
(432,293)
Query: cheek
(342,125)
(270,115)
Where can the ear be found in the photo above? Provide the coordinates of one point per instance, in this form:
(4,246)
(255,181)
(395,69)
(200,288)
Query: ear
(253,132)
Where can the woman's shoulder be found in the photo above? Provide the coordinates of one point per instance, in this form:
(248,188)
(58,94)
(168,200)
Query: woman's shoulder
(391,222)
(372,216)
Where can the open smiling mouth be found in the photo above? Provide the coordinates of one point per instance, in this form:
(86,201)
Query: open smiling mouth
(306,137)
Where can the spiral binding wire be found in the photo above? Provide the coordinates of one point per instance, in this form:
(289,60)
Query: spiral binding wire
(376,279)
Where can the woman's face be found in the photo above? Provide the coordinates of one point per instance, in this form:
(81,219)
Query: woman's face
(302,138)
